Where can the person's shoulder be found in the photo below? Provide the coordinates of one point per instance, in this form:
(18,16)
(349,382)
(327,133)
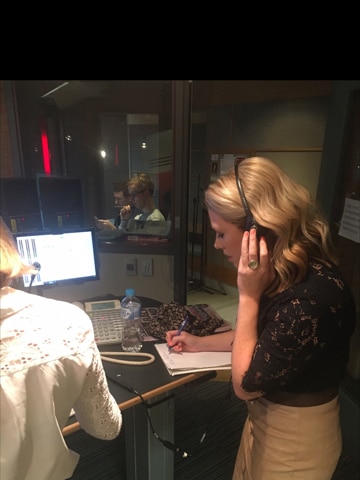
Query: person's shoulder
(46,314)
(327,284)
(156,215)
(322,271)
(135,213)
(70,321)
(64,311)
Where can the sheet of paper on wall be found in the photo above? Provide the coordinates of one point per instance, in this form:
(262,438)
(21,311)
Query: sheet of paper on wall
(228,159)
(350,222)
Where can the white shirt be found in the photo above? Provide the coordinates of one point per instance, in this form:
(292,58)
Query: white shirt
(49,363)
(155,215)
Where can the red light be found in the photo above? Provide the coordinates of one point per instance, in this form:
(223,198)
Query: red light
(45,150)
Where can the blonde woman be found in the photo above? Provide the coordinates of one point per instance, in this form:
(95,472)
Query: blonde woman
(296,315)
(49,364)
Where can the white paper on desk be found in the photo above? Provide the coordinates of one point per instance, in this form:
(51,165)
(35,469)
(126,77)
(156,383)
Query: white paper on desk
(187,362)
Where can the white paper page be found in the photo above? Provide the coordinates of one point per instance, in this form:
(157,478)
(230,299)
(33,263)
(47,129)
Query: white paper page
(350,222)
(185,362)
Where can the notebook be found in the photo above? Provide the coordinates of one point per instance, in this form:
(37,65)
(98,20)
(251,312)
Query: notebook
(188,362)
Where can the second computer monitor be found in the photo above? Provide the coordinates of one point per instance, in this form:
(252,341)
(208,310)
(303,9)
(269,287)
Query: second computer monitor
(19,206)
(61,200)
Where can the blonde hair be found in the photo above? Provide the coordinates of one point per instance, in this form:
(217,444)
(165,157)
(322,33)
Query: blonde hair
(297,229)
(142,181)
(11,264)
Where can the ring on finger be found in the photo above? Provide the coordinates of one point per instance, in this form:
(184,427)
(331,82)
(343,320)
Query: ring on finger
(253,264)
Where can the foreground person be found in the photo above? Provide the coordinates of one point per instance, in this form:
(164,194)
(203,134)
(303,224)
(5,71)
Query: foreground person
(290,346)
(49,364)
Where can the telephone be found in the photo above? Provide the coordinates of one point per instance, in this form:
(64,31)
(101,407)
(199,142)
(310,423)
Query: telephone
(108,329)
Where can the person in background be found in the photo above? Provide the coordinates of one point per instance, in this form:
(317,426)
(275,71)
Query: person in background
(141,190)
(296,315)
(49,364)
(122,204)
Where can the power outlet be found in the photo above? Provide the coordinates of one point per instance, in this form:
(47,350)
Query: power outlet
(147,267)
(130,266)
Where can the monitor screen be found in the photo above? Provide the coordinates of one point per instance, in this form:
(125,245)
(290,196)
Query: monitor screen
(61,257)
(61,200)
(19,206)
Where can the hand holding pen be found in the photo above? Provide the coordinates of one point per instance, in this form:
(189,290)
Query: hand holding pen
(181,328)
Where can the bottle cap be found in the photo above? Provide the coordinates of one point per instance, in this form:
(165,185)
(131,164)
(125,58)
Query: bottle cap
(130,292)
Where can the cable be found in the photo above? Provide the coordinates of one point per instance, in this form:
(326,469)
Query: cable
(150,356)
(165,443)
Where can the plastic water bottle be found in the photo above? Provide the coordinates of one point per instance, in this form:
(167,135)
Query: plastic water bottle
(131,313)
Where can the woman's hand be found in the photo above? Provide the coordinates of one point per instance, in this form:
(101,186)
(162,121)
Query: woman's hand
(254,281)
(185,342)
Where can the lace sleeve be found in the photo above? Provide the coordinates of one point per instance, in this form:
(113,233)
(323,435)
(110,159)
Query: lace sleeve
(304,337)
(96,409)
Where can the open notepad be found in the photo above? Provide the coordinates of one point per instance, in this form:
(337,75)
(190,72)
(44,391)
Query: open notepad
(187,362)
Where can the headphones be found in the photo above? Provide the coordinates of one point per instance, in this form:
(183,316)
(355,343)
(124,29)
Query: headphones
(250,221)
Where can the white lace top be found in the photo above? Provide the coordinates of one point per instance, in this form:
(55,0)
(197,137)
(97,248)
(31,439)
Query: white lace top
(49,363)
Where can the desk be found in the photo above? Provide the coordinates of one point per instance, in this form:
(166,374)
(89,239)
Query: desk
(147,458)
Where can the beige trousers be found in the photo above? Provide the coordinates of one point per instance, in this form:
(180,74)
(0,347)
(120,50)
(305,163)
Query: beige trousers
(289,443)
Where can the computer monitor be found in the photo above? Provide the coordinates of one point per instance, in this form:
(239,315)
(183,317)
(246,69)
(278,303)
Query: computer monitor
(61,202)
(20,206)
(61,258)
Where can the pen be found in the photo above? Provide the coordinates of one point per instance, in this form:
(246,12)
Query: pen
(181,328)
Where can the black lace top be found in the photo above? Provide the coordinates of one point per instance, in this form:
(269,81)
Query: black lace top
(304,335)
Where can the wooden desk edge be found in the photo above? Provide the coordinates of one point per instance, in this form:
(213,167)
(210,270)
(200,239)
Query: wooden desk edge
(74,427)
